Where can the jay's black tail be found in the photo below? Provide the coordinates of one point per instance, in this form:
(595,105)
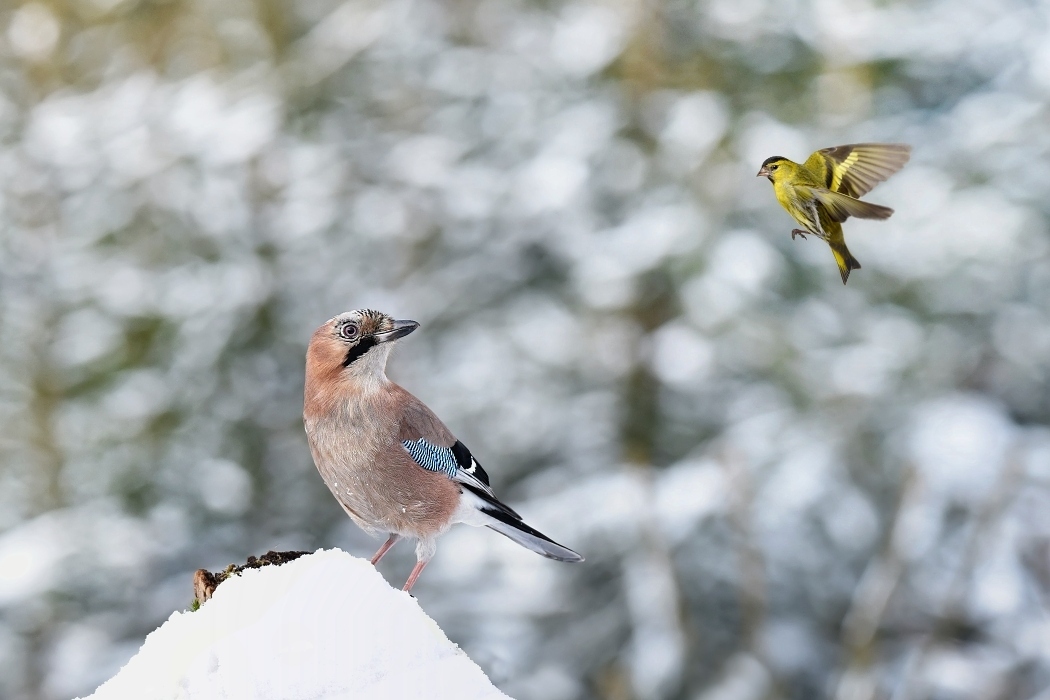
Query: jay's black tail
(515,529)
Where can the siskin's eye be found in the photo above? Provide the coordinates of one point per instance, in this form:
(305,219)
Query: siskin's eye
(773,167)
(349,331)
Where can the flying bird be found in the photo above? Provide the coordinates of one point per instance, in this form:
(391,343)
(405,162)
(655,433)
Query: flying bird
(389,461)
(824,191)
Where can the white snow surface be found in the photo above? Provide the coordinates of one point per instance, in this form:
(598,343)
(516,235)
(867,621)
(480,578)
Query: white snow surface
(326,625)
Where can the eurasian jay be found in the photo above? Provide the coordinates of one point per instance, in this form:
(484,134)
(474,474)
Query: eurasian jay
(390,462)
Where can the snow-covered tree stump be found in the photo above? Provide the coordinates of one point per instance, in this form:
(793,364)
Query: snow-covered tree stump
(324,625)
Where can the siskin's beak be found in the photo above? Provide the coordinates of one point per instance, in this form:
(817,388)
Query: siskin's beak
(763,172)
(400,330)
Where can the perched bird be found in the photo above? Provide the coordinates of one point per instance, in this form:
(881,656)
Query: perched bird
(823,192)
(390,462)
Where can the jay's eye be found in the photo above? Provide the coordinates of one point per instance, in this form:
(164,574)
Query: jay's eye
(349,331)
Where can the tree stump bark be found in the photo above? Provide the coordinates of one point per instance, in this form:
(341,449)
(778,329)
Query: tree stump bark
(205,582)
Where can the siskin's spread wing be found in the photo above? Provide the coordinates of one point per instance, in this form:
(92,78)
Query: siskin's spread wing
(854,169)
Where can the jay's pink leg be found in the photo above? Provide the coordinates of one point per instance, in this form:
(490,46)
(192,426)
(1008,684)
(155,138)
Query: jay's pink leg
(416,571)
(390,542)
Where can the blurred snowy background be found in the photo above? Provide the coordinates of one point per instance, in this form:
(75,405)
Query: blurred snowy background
(785,488)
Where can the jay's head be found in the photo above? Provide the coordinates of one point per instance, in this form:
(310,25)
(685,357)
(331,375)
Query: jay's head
(356,342)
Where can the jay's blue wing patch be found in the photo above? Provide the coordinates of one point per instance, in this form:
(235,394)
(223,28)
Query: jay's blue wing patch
(458,464)
(432,457)
(451,461)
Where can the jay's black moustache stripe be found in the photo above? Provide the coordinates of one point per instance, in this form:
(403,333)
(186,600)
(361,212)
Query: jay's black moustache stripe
(363,346)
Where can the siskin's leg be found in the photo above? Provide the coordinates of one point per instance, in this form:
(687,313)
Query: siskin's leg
(816,228)
(798,232)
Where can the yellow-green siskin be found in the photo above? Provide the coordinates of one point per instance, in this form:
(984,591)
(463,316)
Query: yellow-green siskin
(822,192)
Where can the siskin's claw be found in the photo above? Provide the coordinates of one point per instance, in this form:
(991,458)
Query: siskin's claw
(798,232)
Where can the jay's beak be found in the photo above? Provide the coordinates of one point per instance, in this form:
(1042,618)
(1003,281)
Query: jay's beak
(763,172)
(400,330)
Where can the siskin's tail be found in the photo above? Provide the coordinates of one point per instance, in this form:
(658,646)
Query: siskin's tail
(844,259)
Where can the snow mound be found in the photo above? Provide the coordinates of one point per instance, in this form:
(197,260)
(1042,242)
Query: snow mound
(326,625)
